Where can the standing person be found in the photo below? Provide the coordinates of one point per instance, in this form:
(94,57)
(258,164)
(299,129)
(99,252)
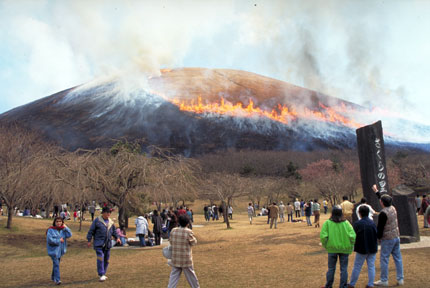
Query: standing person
(337,237)
(366,246)
(418,203)
(215,210)
(389,236)
(56,244)
(325,205)
(297,208)
(250,212)
(173,222)
(273,214)
(316,209)
(347,209)
(75,215)
(424,204)
(302,207)
(427,217)
(92,210)
(230,212)
(290,210)
(281,212)
(363,202)
(156,227)
(206,212)
(308,213)
(181,240)
(102,230)
(141,229)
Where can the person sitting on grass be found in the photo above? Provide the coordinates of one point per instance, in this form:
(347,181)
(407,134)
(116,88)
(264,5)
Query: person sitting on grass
(56,245)
(337,237)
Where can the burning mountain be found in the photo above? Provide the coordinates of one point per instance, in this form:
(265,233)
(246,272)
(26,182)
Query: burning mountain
(194,111)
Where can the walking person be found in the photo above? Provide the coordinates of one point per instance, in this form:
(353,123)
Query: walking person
(281,212)
(337,237)
(181,240)
(102,230)
(56,244)
(273,214)
(250,212)
(366,246)
(389,236)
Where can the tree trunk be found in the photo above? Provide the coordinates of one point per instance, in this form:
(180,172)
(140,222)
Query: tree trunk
(126,222)
(225,212)
(9,217)
(81,216)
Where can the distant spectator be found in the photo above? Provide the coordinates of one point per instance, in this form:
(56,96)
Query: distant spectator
(347,209)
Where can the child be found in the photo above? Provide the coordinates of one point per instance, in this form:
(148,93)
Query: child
(56,245)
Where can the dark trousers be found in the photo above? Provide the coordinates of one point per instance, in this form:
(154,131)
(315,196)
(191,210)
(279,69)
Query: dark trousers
(343,261)
(297,213)
(103,256)
(290,216)
(157,237)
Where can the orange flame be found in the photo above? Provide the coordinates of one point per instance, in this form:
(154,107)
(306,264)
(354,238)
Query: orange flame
(281,113)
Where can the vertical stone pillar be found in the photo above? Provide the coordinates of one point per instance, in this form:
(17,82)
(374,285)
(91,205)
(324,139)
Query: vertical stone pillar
(371,154)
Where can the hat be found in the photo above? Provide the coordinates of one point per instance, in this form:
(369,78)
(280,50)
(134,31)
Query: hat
(106,210)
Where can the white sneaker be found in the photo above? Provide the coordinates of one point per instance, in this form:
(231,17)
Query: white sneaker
(103,278)
(400,282)
(381,283)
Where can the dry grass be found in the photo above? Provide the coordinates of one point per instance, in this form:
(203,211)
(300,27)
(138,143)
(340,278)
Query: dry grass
(245,256)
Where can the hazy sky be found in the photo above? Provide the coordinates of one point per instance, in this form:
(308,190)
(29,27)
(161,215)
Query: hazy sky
(373,53)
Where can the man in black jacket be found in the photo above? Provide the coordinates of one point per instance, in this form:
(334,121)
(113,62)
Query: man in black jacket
(366,246)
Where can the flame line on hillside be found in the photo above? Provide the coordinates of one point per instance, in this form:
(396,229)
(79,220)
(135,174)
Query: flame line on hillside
(281,113)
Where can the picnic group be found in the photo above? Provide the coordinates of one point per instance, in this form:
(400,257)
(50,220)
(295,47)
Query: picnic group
(339,235)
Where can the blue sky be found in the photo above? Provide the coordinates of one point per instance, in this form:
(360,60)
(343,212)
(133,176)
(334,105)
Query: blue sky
(373,53)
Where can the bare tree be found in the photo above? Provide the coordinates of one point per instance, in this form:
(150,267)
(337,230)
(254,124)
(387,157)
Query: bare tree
(19,151)
(225,187)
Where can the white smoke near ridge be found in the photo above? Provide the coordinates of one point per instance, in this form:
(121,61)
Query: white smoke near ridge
(337,48)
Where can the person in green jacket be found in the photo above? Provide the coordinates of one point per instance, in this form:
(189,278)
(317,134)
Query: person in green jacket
(337,237)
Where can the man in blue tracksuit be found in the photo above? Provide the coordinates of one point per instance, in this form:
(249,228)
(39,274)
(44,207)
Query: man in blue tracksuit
(102,229)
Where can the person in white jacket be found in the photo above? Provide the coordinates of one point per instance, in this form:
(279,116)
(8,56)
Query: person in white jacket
(141,229)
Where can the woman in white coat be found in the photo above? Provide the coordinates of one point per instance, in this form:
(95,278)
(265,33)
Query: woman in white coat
(141,229)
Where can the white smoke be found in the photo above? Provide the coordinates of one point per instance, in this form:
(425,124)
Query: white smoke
(368,52)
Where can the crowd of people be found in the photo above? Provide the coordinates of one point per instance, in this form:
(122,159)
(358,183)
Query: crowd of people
(338,235)
(340,239)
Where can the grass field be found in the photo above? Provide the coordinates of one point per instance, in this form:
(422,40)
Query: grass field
(244,256)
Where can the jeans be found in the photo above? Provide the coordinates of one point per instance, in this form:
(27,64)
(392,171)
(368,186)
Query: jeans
(308,220)
(102,261)
(392,247)
(55,276)
(123,241)
(358,263)
(325,209)
(142,240)
(332,260)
